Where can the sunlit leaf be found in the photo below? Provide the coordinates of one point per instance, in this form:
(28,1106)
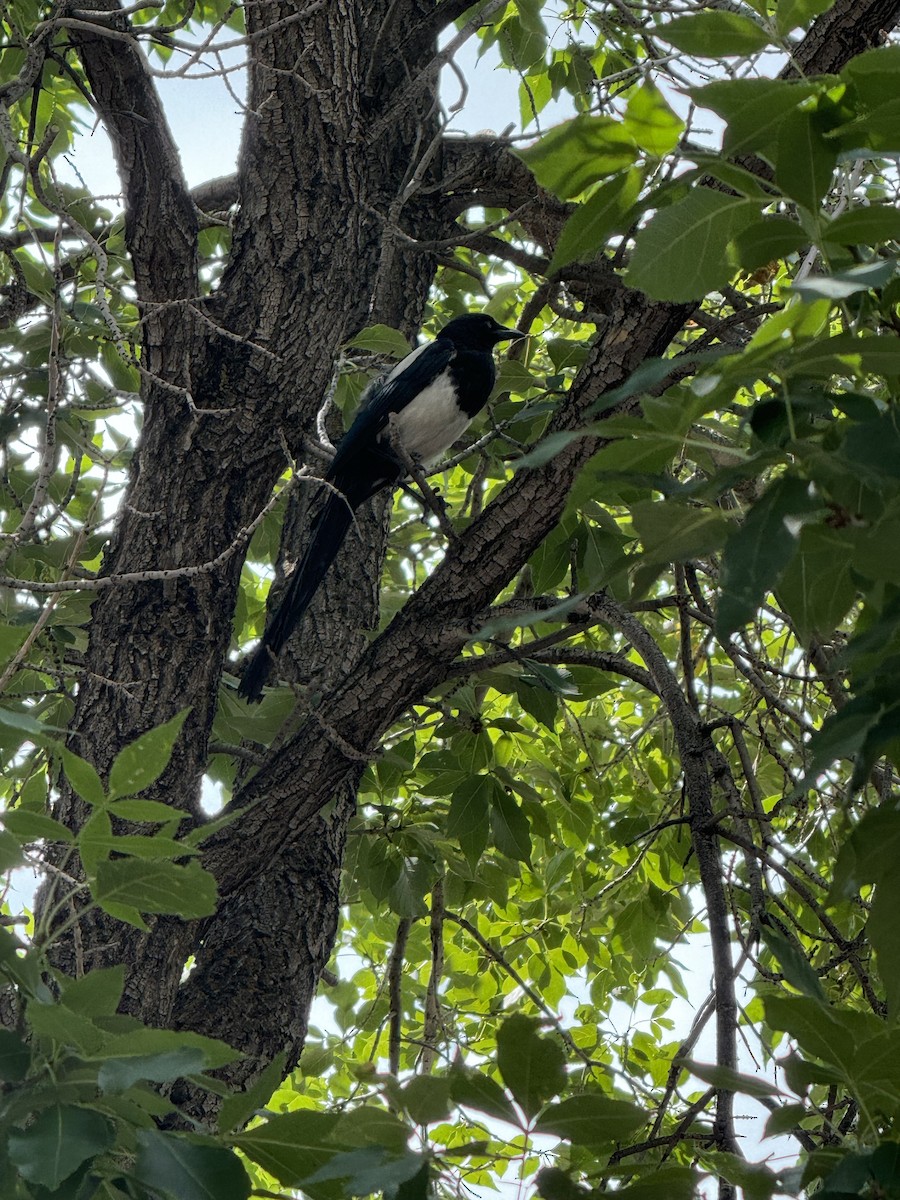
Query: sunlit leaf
(572,156)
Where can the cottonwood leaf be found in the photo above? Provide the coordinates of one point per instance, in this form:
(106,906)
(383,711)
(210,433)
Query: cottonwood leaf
(753,109)
(714,34)
(864,226)
(791,14)
(156,887)
(587,229)
(682,253)
(56,1144)
(805,159)
(569,158)
(15,1057)
(142,762)
(533,1067)
(768,240)
(730,1080)
(475,1089)
(591,1119)
(469,818)
(118,1074)
(759,550)
(189,1169)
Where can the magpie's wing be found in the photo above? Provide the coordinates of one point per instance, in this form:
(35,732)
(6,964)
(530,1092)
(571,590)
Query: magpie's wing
(391,394)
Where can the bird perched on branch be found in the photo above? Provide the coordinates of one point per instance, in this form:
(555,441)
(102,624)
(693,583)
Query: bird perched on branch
(414,412)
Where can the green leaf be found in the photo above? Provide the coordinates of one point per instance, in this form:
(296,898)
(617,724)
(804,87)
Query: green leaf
(664,1183)
(671,531)
(475,1089)
(144,760)
(509,826)
(874,74)
(11,639)
(122,375)
(784,1119)
(33,826)
(869,855)
(239,1107)
(877,354)
(291,1146)
(367,1170)
(372,1125)
(805,159)
(650,121)
(728,1080)
(852,1177)
(57,1143)
(591,1119)
(382,339)
(24,724)
(156,887)
(682,253)
(758,552)
(22,965)
(143,1041)
(11,854)
(768,240)
(714,34)
(878,129)
(151,811)
(844,734)
(468,820)
(189,1169)
(864,226)
(883,930)
(538,702)
(98,844)
(819,1029)
(838,286)
(791,14)
(587,229)
(533,1067)
(876,1071)
(795,965)
(65,1028)
(427,1098)
(817,589)
(83,777)
(572,156)
(756,1182)
(15,1057)
(118,1074)
(753,109)
(95,994)
(555,1184)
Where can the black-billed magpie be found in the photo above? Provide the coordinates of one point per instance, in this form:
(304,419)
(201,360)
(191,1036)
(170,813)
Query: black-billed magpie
(425,402)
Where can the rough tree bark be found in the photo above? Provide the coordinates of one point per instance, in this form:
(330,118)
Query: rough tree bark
(341,111)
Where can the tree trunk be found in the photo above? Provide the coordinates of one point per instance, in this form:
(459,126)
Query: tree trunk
(339,143)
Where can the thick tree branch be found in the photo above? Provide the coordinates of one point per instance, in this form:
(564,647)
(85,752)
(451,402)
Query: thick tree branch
(160,221)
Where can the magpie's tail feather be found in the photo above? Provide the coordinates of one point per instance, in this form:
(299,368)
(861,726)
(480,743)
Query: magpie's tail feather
(327,536)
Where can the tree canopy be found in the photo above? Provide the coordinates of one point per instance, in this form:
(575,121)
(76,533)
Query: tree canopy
(623,676)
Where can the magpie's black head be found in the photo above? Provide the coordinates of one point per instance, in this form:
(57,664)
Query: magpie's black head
(478,331)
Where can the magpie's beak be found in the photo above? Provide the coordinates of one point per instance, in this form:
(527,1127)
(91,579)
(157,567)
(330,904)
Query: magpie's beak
(508,335)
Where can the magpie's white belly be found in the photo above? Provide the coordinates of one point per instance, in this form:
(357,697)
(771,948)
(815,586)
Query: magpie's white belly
(432,422)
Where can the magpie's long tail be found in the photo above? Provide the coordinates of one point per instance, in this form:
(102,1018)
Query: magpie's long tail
(328,533)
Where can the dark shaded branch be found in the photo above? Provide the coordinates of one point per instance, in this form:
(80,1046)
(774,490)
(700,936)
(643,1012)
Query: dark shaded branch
(697,755)
(395,994)
(160,221)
